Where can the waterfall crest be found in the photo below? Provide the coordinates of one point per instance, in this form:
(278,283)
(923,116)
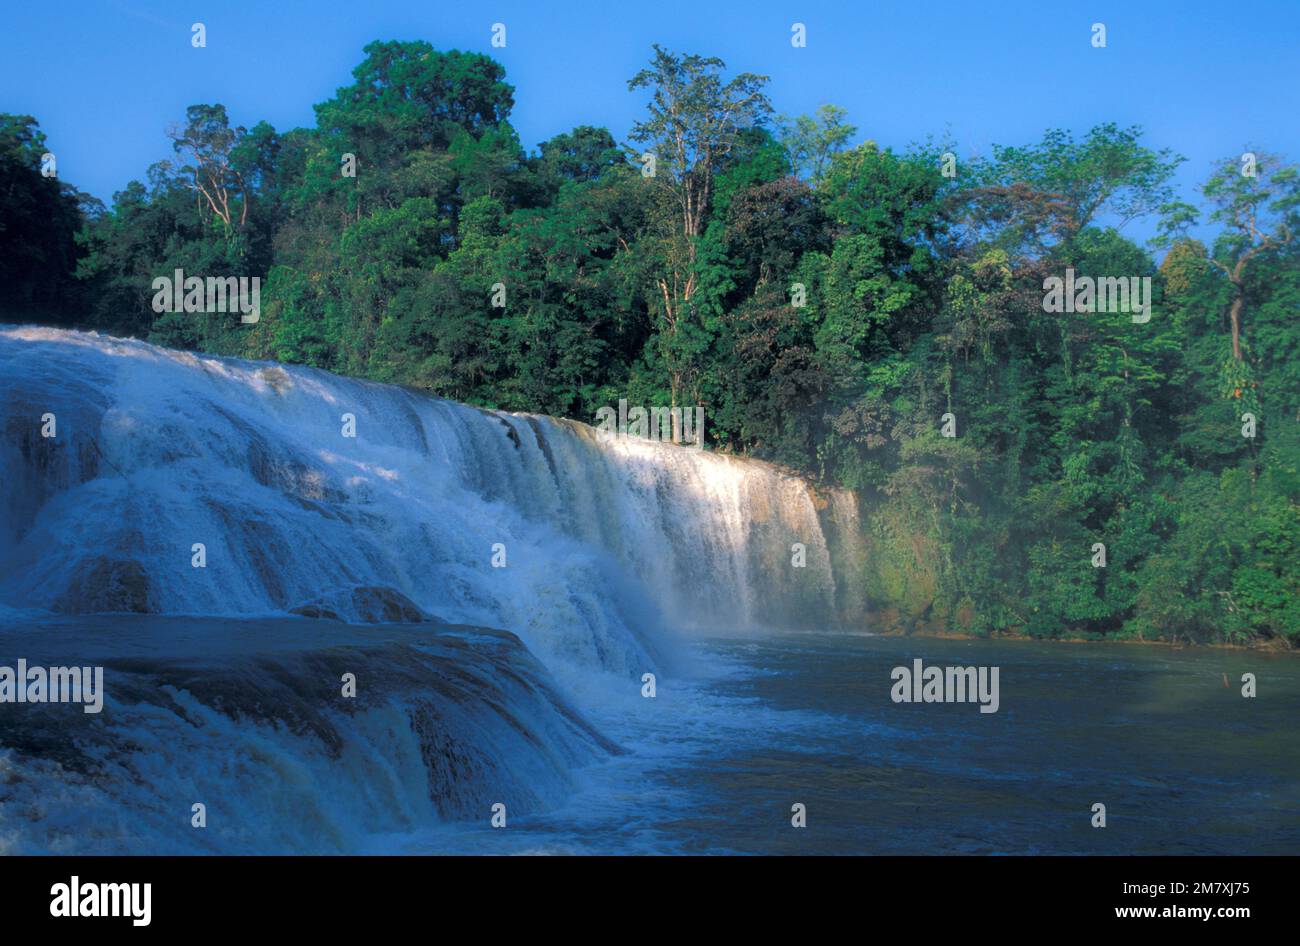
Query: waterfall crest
(606,542)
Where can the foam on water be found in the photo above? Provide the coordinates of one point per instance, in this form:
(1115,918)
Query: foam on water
(248,719)
(607,540)
(614,549)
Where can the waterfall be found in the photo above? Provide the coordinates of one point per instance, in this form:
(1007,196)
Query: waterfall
(127,466)
(605,542)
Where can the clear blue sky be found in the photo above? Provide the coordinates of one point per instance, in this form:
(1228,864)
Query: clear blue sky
(1208,79)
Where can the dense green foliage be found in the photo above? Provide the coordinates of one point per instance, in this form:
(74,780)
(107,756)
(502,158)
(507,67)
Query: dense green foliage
(825,304)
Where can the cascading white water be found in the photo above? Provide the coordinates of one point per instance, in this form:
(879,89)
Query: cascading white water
(611,549)
(245,717)
(605,540)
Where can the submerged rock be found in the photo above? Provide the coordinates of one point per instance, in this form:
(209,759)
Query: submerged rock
(371,604)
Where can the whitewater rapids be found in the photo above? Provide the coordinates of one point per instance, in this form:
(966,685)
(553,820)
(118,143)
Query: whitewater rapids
(595,555)
(606,541)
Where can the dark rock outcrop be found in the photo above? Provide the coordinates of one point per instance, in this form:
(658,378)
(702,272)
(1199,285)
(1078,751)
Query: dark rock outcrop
(382,605)
(372,604)
(318,611)
(104,584)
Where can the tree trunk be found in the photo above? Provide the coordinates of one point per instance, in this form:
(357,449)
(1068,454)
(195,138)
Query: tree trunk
(1234,316)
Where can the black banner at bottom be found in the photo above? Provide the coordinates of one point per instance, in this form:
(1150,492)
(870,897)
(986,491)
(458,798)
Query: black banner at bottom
(335,895)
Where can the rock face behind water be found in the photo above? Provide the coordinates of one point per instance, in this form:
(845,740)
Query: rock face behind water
(381,605)
(372,604)
(108,585)
(316,611)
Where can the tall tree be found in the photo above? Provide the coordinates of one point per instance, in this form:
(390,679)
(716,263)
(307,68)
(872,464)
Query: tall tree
(1259,213)
(206,143)
(696,118)
(812,140)
(1109,172)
